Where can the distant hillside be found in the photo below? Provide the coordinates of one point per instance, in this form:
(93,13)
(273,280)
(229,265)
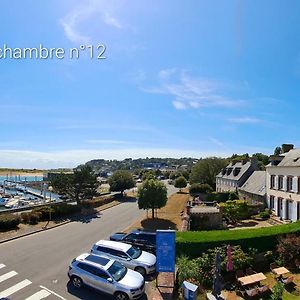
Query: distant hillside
(99,165)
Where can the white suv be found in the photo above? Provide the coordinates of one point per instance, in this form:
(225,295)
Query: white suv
(130,256)
(106,275)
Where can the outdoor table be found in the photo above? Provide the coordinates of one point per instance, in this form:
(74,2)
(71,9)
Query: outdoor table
(280,271)
(251,278)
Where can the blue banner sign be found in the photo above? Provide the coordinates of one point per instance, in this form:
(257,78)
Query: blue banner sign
(165,250)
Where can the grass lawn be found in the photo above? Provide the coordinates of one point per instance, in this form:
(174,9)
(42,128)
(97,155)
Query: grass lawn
(167,217)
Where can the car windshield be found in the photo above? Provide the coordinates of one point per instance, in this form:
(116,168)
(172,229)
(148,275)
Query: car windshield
(134,252)
(117,271)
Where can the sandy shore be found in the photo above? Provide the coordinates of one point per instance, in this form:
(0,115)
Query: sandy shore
(13,173)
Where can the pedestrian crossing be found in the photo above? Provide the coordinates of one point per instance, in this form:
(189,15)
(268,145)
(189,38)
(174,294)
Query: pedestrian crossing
(13,287)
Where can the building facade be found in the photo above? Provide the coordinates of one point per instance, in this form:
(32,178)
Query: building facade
(283,185)
(235,175)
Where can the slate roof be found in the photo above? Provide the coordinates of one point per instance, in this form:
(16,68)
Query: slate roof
(237,170)
(255,184)
(291,159)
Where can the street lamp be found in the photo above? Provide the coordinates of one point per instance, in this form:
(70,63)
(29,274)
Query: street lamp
(50,189)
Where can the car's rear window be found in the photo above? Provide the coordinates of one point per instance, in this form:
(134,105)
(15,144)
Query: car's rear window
(98,259)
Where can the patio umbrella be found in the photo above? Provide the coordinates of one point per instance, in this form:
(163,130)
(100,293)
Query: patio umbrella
(217,285)
(229,264)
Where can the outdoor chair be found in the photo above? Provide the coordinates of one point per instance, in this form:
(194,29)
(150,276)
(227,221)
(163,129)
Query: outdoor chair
(250,271)
(273,266)
(287,280)
(263,289)
(252,292)
(239,273)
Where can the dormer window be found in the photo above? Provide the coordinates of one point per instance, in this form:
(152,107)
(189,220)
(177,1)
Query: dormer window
(236,171)
(229,171)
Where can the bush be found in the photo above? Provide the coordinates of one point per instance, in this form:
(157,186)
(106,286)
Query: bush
(198,188)
(265,214)
(193,243)
(9,221)
(235,209)
(201,269)
(288,249)
(218,197)
(233,196)
(277,291)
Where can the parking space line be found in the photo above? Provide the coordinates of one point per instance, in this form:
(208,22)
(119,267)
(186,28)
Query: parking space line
(15,288)
(2,266)
(7,275)
(39,295)
(55,294)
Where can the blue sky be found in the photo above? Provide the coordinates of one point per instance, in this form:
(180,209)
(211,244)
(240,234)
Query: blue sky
(180,78)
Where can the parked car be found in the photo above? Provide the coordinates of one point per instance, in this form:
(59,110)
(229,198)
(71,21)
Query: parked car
(132,257)
(142,239)
(106,275)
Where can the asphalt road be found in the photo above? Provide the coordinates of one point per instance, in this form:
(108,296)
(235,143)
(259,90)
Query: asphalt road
(36,266)
(43,258)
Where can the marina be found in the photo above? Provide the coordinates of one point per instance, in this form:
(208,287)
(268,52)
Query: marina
(15,192)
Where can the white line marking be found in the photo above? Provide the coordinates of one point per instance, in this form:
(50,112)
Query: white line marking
(39,295)
(2,266)
(52,292)
(15,288)
(7,275)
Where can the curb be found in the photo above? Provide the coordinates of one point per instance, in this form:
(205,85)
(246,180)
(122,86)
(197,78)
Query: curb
(45,229)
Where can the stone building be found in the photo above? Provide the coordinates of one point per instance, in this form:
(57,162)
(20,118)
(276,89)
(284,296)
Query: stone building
(254,189)
(235,175)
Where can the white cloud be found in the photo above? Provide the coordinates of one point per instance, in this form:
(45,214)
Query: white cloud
(245,120)
(179,105)
(166,73)
(74,22)
(192,92)
(72,158)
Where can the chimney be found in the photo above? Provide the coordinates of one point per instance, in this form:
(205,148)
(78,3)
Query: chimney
(287,147)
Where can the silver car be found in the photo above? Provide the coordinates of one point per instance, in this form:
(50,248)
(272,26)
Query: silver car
(106,275)
(130,256)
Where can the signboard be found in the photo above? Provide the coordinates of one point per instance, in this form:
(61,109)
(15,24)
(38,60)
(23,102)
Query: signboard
(165,250)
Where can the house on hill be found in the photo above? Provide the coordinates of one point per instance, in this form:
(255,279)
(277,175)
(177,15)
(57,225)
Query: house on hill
(235,175)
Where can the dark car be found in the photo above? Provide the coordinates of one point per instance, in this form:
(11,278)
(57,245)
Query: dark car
(145,240)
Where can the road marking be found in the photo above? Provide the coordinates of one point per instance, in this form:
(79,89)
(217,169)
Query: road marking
(39,295)
(52,292)
(7,275)
(15,288)
(2,266)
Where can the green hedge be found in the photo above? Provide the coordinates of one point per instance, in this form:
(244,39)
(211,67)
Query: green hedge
(193,243)
(9,221)
(58,210)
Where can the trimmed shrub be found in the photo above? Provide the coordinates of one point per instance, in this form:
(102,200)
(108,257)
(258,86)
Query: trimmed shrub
(198,188)
(9,221)
(218,197)
(265,214)
(193,243)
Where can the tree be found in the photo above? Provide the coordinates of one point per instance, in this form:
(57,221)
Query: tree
(200,188)
(288,249)
(152,194)
(120,181)
(205,170)
(148,174)
(80,185)
(180,182)
(277,151)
